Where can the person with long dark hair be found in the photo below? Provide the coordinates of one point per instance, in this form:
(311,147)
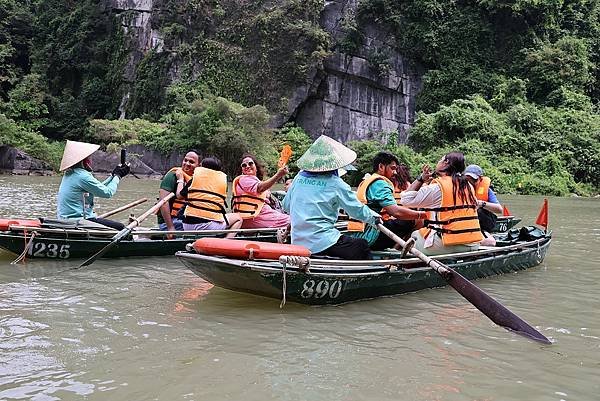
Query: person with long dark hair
(453,225)
(401,181)
(252,196)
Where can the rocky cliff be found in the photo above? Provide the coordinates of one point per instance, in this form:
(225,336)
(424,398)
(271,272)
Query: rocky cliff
(350,94)
(144,162)
(357,94)
(15,161)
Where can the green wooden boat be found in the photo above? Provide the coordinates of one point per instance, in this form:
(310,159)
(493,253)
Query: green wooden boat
(51,243)
(334,281)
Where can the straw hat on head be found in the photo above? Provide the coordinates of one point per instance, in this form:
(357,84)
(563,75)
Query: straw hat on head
(76,152)
(326,154)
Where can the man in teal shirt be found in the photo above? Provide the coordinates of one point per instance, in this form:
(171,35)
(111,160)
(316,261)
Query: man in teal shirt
(377,192)
(315,198)
(78,186)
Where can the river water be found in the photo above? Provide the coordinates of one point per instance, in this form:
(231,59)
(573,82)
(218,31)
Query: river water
(149,329)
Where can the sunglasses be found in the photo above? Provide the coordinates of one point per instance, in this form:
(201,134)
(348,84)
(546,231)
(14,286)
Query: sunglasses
(249,164)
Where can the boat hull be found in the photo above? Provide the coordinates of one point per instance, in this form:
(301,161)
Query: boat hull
(336,285)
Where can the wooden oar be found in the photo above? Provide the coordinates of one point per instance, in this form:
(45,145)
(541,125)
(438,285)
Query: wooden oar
(127,230)
(122,208)
(493,309)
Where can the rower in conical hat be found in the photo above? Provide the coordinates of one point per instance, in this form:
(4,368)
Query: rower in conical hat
(78,186)
(326,154)
(76,152)
(316,196)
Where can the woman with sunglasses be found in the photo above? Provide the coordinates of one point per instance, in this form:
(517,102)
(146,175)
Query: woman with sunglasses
(251,195)
(454,225)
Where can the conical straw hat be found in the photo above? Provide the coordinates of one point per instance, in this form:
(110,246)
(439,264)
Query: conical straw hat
(76,152)
(326,154)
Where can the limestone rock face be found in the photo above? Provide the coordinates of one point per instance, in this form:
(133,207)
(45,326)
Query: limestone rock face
(15,161)
(143,161)
(136,22)
(352,97)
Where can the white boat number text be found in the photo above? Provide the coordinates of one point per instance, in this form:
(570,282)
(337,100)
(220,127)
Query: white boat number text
(321,289)
(50,250)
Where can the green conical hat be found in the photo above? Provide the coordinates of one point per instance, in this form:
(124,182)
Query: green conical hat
(326,154)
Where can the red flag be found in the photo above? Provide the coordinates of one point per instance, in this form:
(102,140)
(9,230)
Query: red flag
(505,211)
(542,218)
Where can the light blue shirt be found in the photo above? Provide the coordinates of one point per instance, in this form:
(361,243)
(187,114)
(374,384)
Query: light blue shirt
(313,202)
(78,184)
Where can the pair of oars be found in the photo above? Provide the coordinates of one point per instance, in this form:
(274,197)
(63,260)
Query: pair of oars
(127,230)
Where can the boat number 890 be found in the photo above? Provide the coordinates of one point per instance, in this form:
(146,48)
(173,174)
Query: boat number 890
(321,289)
(50,250)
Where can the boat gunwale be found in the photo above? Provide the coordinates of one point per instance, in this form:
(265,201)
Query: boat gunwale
(110,233)
(364,268)
(397,261)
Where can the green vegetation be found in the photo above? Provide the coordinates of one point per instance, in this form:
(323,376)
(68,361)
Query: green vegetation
(212,125)
(30,142)
(511,83)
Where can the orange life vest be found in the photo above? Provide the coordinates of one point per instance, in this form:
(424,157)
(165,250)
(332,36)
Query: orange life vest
(361,194)
(457,223)
(481,191)
(177,204)
(248,206)
(207,194)
(397,192)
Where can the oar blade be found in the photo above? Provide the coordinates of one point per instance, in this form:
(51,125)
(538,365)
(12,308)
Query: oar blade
(116,239)
(493,309)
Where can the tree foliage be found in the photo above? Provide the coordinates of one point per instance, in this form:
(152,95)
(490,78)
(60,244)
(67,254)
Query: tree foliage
(512,83)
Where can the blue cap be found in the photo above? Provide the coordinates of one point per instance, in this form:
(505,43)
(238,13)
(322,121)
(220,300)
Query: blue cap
(474,171)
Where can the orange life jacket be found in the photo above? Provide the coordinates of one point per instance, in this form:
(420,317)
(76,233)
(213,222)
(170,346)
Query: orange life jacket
(481,191)
(361,194)
(177,204)
(207,194)
(248,206)
(457,223)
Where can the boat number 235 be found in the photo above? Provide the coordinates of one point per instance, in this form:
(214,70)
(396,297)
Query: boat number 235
(49,250)
(321,289)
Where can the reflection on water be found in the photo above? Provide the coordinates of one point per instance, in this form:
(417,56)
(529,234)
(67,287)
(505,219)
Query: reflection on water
(137,329)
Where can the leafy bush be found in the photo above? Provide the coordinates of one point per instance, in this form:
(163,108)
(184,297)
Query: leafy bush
(105,132)
(30,142)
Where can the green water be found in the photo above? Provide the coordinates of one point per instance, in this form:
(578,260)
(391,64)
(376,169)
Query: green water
(148,329)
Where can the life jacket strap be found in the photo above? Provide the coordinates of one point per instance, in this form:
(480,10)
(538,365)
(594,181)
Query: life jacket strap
(448,231)
(446,208)
(451,220)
